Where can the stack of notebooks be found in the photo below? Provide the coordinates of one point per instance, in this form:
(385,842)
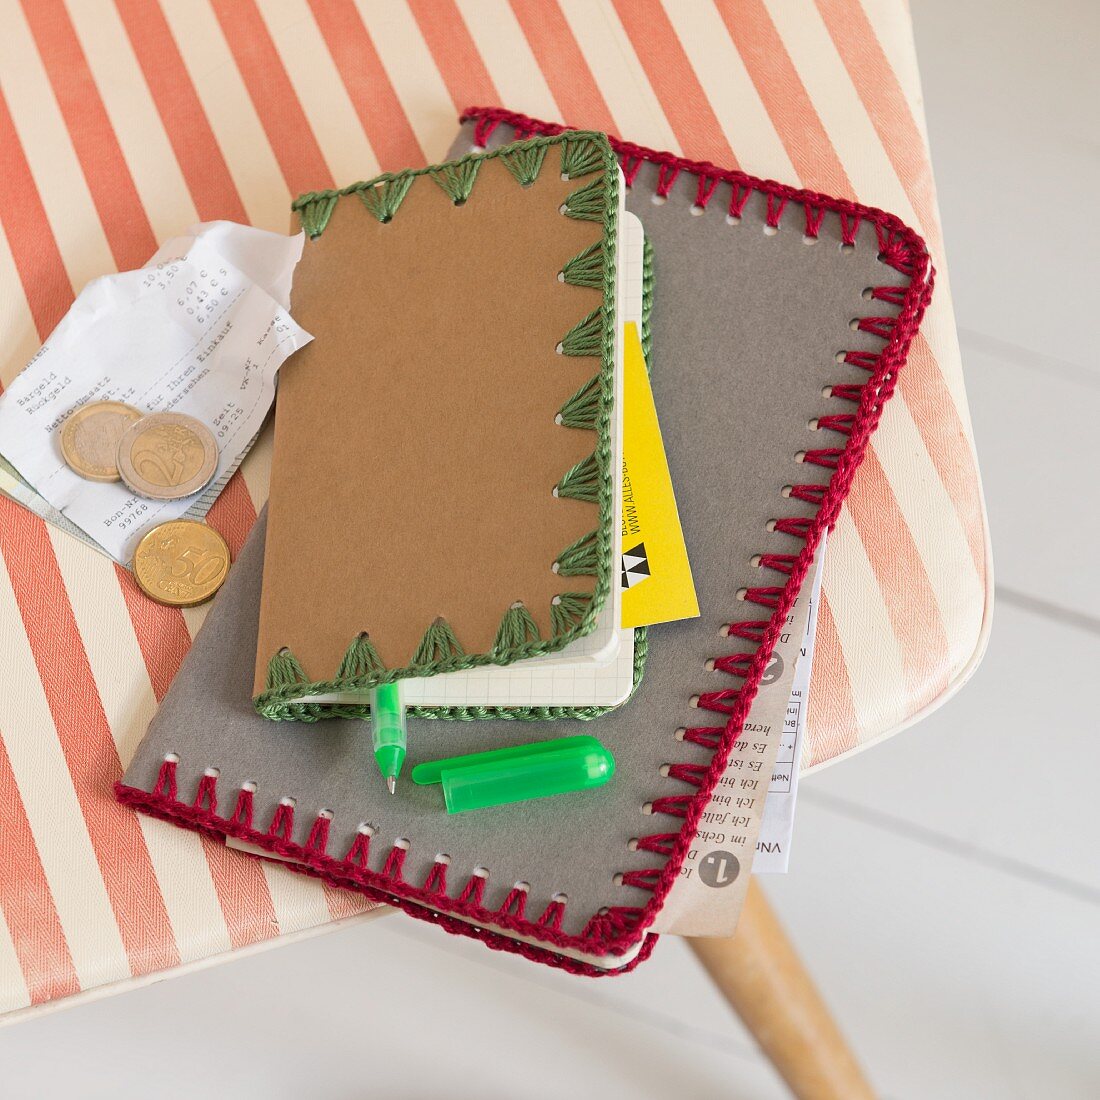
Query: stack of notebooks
(446,510)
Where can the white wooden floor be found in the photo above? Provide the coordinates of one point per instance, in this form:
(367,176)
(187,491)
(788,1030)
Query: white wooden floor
(950,914)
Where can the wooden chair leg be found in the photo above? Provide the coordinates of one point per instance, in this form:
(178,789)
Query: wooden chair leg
(760,974)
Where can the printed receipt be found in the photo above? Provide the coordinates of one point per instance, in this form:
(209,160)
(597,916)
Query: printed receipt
(202,329)
(706,899)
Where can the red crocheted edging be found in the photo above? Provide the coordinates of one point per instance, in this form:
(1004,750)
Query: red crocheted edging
(900,248)
(615,930)
(349,874)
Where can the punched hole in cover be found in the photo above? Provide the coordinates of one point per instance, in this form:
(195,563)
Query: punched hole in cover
(841,356)
(563,209)
(213,773)
(442,857)
(826,391)
(326,813)
(732,219)
(724,630)
(286,800)
(658,200)
(632,844)
(521,885)
(559,419)
(770,230)
(812,423)
(697,210)
(171,757)
(559,897)
(742,593)
(771,525)
(847,249)
(555,567)
(694,701)
(800,456)
(403,843)
(680,733)
(480,872)
(708,664)
(560,348)
(785,492)
(250,785)
(755,560)
(617,879)
(867,293)
(663,770)
(853,324)
(365,828)
(808,239)
(647,807)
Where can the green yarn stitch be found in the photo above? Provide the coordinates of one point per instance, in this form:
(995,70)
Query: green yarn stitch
(283,670)
(385,194)
(581,410)
(580,558)
(524,161)
(585,337)
(438,646)
(457,178)
(647,304)
(517,628)
(567,609)
(587,203)
(580,158)
(582,482)
(315,210)
(361,659)
(586,268)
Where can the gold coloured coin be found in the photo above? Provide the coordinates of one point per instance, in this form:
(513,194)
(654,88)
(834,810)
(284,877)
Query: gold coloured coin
(167,456)
(90,437)
(181,563)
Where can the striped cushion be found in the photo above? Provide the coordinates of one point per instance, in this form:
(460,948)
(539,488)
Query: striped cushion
(121,125)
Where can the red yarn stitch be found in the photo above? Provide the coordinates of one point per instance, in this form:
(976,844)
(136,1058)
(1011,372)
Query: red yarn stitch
(552,915)
(317,841)
(391,869)
(515,903)
(781,563)
(705,190)
(473,891)
(661,843)
(828,457)
(166,779)
(242,812)
(811,494)
(720,702)
(630,166)
(751,631)
(842,422)
(436,882)
(666,177)
(282,823)
(359,852)
(846,392)
(765,597)
(736,664)
(620,927)
(776,205)
(815,215)
(877,326)
(207,793)
(688,773)
(646,879)
(710,737)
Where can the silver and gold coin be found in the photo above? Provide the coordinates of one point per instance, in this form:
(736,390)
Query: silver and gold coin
(181,563)
(167,456)
(90,438)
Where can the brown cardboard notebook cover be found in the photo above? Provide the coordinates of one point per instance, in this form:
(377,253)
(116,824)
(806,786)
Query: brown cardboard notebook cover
(417,488)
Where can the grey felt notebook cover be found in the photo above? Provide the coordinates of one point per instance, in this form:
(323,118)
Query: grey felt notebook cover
(747,326)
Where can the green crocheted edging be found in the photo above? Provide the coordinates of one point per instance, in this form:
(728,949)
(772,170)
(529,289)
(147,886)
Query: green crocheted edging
(572,614)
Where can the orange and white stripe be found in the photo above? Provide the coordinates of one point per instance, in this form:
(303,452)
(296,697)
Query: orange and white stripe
(122,121)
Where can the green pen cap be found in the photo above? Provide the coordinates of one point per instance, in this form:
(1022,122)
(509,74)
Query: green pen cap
(518,774)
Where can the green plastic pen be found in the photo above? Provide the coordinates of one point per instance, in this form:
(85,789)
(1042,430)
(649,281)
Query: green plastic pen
(387,719)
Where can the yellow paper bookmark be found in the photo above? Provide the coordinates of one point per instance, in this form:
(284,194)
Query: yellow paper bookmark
(656,574)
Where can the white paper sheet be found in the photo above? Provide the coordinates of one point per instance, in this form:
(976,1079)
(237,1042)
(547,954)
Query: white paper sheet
(773,846)
(201,330)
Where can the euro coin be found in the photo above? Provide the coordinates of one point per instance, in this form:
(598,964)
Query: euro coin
(167,456)
(90,438)
(181,563)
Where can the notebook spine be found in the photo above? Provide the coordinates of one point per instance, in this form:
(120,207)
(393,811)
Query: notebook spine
(850,424)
